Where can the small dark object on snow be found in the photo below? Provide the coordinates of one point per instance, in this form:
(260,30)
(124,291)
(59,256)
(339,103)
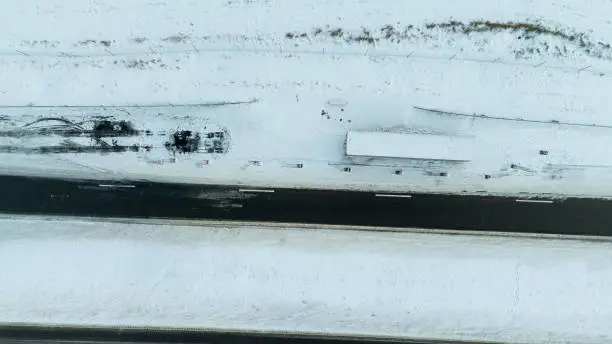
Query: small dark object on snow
(543,152)
(398,172)
(513,166)
(299,165)
(487,176)
(184,141)
(347,169)
(443,174)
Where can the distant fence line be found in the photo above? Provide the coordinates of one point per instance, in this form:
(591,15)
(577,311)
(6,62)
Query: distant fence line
(102,106)
(484,116)
(107,52)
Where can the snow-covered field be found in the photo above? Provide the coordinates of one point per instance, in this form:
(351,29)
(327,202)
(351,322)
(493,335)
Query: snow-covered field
(318,69)
(67,271)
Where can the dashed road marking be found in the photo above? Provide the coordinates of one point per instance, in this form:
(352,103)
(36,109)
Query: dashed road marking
(256,190)
(394,195)
(534,201)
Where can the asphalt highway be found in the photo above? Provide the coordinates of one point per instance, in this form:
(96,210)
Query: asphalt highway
(32,334)
(140,199)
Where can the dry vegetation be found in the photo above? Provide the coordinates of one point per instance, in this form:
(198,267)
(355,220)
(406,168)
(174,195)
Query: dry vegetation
(180,38)
(44,42)
(139,40)
(93,42)
(524,39)
(145,64)
(530,33)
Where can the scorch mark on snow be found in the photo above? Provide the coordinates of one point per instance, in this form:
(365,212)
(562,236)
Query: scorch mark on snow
(106,134)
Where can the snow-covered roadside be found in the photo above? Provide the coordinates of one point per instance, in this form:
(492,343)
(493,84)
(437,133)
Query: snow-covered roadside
(508,152)
(387,284)
(314,83)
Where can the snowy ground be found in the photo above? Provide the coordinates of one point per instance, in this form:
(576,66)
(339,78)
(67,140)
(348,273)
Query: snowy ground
(279,145)
(290,56)
(387,284)
(368,62)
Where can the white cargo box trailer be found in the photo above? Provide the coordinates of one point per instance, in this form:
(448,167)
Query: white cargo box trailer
(409,146)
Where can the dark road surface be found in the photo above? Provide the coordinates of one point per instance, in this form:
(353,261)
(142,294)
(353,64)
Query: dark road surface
(25,334)
(217,202)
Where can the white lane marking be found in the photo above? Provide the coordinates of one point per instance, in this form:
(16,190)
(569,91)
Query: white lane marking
(115,186)
(534,201)
(393,195)
(255,190)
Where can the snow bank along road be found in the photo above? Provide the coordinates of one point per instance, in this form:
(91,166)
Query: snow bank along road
(27,195)
(224,277)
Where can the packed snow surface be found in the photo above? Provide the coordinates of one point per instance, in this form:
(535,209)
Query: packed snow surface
(224,276)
